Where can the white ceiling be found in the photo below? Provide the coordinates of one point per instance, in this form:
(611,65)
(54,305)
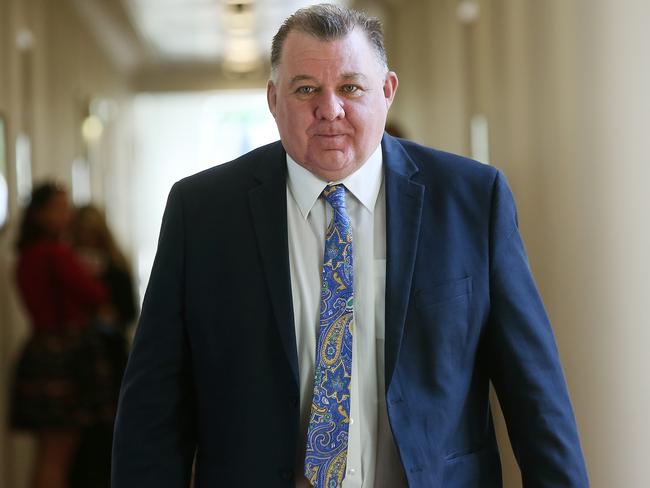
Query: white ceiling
(210,30)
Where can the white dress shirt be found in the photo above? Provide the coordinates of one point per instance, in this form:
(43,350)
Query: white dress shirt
(372,461)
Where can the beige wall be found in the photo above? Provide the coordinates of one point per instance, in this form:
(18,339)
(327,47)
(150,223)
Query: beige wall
(572,139)
(43,92)
(426,51)
(564,85)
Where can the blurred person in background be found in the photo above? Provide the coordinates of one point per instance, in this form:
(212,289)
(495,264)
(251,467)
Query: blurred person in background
(96,247)
(63,381)
(329,310)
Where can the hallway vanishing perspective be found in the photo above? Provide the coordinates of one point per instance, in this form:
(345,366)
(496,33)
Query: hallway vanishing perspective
(115,100)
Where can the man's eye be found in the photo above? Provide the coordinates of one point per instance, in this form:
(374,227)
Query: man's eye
(305,90)
(349,88)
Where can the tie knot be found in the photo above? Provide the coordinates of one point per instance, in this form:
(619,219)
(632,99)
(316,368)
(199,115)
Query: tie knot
(335,195)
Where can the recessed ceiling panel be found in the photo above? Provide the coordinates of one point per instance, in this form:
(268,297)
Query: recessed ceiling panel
(200,30)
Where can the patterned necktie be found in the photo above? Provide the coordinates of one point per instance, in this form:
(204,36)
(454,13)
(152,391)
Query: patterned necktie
(327,435)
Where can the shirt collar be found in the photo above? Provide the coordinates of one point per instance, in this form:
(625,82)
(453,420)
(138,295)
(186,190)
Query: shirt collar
(364,183)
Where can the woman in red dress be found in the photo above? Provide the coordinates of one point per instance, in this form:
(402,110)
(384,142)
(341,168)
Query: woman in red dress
(63,380)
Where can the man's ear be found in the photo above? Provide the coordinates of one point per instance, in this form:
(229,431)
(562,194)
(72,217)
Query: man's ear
(390,87)
(271,96)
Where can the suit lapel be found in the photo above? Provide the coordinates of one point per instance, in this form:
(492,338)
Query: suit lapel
(268,203)
(403,212)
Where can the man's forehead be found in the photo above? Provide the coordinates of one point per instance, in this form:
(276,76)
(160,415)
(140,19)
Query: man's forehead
(306,57)
(307,44)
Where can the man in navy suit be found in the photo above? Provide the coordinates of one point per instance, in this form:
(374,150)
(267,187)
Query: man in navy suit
(225,361)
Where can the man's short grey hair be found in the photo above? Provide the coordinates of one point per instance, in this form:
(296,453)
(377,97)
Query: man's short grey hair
(328,22)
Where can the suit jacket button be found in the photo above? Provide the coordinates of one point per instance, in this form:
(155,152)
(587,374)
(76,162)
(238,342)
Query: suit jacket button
(294,401)
(286,474)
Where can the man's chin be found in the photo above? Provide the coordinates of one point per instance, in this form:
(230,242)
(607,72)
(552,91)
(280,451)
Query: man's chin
(334,172)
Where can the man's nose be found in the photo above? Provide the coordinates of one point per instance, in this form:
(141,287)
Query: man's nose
(329,106)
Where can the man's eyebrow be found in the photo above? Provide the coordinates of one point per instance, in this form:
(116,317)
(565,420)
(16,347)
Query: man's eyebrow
(298,78)
(344,76)
(354,76)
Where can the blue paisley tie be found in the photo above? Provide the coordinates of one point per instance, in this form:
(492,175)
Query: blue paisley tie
(327,435)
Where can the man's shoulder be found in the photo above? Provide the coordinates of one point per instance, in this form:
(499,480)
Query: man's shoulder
(235,175)
(445,167)
(430,158)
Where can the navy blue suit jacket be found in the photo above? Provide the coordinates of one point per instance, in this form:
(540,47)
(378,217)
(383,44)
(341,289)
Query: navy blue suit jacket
(214,367)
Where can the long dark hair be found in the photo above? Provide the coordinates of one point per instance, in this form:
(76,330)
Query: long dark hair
(94,218)
(30,228)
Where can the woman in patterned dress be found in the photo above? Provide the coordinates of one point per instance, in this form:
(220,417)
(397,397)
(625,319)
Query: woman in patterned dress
(62,380)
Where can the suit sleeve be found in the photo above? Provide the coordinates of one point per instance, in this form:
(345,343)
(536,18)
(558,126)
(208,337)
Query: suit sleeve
(155,433)
(525,365)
